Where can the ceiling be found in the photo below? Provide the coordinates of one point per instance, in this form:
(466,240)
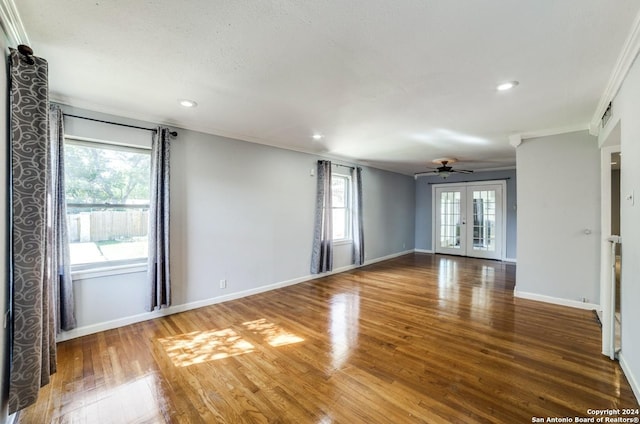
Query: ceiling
(392,84)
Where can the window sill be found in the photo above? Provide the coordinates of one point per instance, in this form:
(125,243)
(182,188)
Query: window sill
(106,271)
(342,242)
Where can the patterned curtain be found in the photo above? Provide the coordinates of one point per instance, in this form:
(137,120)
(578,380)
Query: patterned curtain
(60,262)
(32,333)
(158,263)
(356,219)
(322,252)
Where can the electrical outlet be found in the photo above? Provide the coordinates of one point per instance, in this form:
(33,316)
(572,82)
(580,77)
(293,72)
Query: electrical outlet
(223,284)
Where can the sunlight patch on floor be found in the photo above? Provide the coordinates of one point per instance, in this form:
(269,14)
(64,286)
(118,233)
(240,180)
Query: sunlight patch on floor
(273,334)
(204,346)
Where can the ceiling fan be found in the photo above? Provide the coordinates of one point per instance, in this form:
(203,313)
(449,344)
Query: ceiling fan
(444,170)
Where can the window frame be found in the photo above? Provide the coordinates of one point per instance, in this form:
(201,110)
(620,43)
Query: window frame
(348,207)
(89,270)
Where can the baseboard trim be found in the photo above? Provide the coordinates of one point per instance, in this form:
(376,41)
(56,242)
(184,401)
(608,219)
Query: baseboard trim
(556,300)
(513,260)
(631,378)
(132,319)
(422,251)
(386,258)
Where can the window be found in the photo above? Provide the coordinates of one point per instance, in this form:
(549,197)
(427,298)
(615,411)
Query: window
(341,203)
(107,193)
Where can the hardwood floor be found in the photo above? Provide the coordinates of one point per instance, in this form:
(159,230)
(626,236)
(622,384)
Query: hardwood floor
(420,338)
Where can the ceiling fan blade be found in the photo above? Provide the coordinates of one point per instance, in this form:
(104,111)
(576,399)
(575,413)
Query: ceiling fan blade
(462,171)
(424,174)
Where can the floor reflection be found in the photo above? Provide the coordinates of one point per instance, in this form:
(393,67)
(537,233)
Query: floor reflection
(447,279)
(475,303)
(133,402)
(487,275)
(344,327)
(481,295)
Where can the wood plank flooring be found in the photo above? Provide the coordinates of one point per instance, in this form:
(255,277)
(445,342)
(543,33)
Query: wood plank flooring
(417,339)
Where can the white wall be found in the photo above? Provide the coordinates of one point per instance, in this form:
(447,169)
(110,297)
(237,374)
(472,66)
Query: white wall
(558,199)
(4,280)
(98,131)
(626,108)
(389,213)
(243,212)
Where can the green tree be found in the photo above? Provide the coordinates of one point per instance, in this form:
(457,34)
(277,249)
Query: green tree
(103,175)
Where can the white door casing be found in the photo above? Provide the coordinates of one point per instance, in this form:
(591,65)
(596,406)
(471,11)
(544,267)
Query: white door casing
(607,303)
(469,219)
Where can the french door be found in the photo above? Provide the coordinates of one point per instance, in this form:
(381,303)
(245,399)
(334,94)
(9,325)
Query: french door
(469,219)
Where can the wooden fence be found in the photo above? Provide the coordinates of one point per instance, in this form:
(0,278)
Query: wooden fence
(107,225)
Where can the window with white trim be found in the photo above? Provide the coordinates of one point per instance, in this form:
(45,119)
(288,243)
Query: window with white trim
(341,204)
(107,190)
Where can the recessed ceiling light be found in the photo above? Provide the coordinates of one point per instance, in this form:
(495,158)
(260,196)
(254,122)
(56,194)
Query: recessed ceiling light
(187,103)
(317,136)
(507,85)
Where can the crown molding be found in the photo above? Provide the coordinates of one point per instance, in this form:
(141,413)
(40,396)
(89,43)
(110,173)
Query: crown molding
(554,131)
(12,24)
(628,54)
(516,139)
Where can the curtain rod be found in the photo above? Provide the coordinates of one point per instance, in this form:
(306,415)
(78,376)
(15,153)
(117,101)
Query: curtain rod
(173,133)
(344,166)
(337,164)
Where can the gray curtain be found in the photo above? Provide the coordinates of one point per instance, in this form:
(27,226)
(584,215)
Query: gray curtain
(32,331)
(60,262)
(322,252)
(159,284)
(356,217)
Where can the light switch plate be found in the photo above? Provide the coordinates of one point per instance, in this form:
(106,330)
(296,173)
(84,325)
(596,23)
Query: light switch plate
(631,198)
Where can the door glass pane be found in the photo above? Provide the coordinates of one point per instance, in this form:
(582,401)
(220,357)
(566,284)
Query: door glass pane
(450,220)
(484,220)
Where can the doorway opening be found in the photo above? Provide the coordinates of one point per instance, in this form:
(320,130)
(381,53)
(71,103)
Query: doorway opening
(611,248)
(469,219)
